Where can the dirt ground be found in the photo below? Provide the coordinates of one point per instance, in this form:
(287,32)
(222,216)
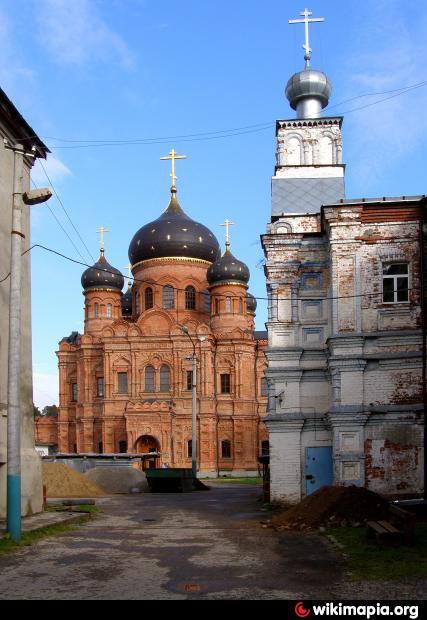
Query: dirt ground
(206,545)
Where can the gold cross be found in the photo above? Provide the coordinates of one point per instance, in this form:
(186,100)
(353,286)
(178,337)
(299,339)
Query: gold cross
(129,268)
(172,156)
(102,231)
(227,225)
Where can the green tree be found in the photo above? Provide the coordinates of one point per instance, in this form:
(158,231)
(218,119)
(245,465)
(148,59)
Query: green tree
(50,410)
(36,411)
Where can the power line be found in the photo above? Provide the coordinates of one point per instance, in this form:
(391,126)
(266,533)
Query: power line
(151,283)
(58,221)
(65,211)
(218,134)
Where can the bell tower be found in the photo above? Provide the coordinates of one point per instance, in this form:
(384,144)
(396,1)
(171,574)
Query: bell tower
(309,170)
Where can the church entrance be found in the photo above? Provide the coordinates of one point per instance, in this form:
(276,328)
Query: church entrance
(146,444)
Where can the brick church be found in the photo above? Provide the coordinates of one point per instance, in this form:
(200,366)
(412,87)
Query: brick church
(125,385)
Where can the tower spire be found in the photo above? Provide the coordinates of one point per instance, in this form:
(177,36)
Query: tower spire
(306,21)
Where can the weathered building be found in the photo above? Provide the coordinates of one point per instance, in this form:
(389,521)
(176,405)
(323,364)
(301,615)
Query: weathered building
(125,384)
(345,324)
(16,131)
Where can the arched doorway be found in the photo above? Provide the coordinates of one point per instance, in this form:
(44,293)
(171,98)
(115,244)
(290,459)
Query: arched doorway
(146,444)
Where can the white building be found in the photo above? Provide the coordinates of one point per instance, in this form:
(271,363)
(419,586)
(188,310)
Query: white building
(16,130)
(345,326)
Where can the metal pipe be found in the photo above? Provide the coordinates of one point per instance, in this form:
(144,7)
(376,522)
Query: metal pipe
(14,361)
(194,416)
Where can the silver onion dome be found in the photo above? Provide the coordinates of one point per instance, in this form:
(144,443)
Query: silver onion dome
(308,92)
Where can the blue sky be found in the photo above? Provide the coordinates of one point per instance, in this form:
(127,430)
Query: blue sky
(132,69)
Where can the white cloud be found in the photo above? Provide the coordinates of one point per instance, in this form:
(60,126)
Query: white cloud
(75,34)
(385,133)
(55,169)
(45,389)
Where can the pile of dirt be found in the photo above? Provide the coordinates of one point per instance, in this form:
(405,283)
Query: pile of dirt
(62,481)
(118,479)
(334,507)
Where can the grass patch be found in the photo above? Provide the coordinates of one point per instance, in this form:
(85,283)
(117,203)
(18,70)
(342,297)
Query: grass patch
(368,561)
(7,545)
(235,480)
(85,508)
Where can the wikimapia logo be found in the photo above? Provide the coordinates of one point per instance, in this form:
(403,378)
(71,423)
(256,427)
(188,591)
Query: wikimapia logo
(368,611)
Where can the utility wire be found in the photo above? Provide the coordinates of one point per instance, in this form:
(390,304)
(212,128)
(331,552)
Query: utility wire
(65,211)
(218,134)
(61,226)
(150,282)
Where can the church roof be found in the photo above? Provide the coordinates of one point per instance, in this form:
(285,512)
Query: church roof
(173,234)
(228,269)
(102,276)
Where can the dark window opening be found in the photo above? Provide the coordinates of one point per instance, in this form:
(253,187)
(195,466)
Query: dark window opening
(265,448)
(189,379)
(74,392)
(123,447)
(226,449)
(395,283)
(168,297)
(122,382)
(165,378)
(150,379)
(100,387)
(190,298)
(148,296)
(100,448)
(225,384)
(189,449)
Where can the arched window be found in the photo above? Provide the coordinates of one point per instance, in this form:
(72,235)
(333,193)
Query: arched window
(216,306)
(150,385)
(148,298)
(190,298)
(109,311)
(165,378)
(96,311)
(206,302)
(294,152)
(240,305)
(168,297)
(189,449)
(226,449)
(137,304)
(228,304)
(123,447)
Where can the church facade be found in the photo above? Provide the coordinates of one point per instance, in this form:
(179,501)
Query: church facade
(126,382)
(347,316)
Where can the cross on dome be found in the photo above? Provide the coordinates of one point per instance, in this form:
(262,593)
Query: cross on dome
(227,224)
(307,20)
(172,157)
(102,232)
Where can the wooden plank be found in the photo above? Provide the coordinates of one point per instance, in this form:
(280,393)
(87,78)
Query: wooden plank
(389,527)
(374,525)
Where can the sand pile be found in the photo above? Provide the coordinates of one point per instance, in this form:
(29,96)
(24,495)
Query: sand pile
(62,481)
(333,507)
(118,479)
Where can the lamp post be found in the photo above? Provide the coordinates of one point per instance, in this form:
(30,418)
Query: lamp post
(193,357)
(14,352)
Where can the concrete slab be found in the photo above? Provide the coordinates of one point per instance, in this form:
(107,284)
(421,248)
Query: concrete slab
(45,519)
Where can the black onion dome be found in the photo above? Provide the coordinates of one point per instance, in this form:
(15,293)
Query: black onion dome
(102,275)
(228,269)
(127,302)
(173,234)
(251,303)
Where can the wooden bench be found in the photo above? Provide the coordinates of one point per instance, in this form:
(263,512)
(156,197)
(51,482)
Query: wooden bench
(384,532)
(400,529)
